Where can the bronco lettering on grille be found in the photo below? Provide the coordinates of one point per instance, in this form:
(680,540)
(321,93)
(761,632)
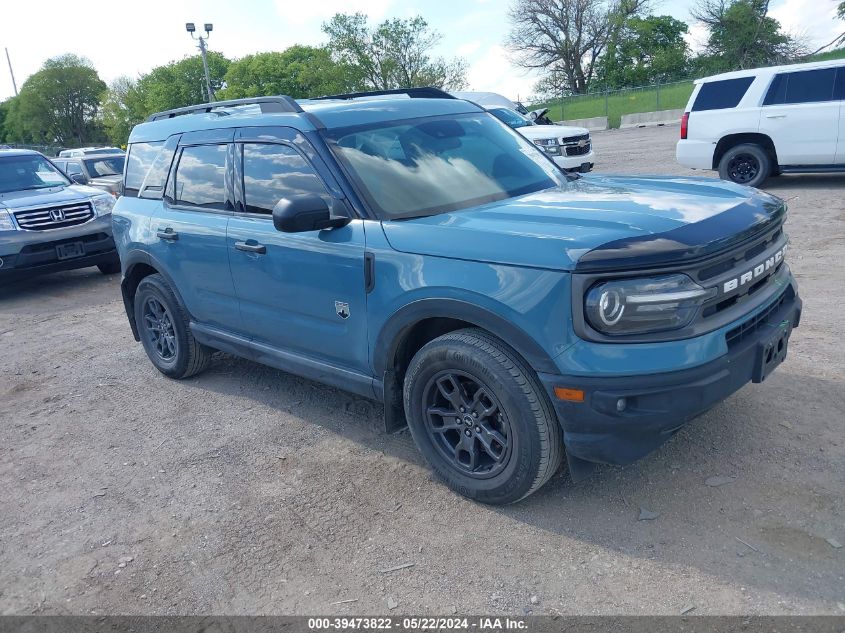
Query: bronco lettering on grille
(761,269)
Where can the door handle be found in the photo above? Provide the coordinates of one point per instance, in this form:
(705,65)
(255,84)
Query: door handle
(251,248)
(167,234)
(775,116)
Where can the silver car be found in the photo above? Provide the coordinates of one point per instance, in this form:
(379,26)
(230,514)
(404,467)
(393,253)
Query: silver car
(47,223)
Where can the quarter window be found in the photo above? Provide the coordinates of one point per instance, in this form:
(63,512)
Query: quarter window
(141,156)
(273,172)
(720,95)
(201,177)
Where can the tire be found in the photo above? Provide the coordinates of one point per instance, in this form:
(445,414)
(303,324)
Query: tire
(746,164)
(471,369)
(165,332)
(111,267)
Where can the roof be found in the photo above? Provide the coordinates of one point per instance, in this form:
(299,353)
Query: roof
(19,152)
(328,113)
(753,72)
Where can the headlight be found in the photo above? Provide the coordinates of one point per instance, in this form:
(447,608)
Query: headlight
(548,145)
(637,306)
(103,204)
(6,223)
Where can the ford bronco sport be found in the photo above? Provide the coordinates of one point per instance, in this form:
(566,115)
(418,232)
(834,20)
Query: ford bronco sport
(49,224)
(419,252)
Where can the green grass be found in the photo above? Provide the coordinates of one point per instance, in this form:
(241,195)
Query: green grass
(672,97)
(824,57)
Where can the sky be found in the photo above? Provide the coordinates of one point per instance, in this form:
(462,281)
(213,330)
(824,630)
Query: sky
(120,39)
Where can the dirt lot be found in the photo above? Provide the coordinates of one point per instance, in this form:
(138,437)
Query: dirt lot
(246,490)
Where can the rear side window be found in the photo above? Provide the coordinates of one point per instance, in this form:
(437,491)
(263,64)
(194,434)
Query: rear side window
(141,157)
(839,91)
(807,86)
(273,172)
(201,177)
(720,95)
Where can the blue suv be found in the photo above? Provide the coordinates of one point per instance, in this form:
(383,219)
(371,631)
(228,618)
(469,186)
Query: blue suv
(419,252)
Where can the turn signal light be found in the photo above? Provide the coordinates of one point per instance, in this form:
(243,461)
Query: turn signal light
(570,395)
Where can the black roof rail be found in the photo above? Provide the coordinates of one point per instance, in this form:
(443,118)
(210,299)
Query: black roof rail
(281,103)
(414,93)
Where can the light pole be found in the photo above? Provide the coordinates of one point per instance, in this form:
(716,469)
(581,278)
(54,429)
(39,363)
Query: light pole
(190,28)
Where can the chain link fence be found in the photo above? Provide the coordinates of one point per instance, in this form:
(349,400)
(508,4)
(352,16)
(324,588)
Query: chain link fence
(615,103)
(47,150)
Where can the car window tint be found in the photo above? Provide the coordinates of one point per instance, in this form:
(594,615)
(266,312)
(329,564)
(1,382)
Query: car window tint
(810,86)
(839,91)
(718,95)
(74,168)
(201,176)
(273,172)
(777,90)
(141,156)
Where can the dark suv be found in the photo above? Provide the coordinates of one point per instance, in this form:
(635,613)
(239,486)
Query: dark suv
(420,252)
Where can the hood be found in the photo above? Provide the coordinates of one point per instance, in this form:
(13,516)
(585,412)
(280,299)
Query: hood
(108,183)
(596,223)
(552,131)
(47,197)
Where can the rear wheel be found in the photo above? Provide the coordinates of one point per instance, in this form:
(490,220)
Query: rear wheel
(480,418)
(165,330)
(746,164)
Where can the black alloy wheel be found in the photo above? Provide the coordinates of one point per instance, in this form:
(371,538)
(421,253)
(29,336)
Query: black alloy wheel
(467,424)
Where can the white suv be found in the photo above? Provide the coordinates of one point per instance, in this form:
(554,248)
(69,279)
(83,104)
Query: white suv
(752,124)
(571,148)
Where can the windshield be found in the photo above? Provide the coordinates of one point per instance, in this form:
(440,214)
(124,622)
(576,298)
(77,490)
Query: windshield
(511,118)
(19,173)
(432,165)
(111,166)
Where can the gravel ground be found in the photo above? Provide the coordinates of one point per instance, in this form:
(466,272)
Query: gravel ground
(246,490)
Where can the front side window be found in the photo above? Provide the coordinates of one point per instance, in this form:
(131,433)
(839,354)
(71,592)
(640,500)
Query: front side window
(201,177)
(431,165)
(721,95)
(31,171)
(99,167)
(273,172)
(806,86)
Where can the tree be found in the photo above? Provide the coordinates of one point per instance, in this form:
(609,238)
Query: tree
(299,71)
(742,35)
(648,50)
(58,104)
(841,10)
(395,54)
(122,108)
(567,36)
(180,83)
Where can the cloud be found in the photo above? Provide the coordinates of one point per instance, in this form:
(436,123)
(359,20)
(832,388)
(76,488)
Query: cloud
(309,13)
(813,21)
(490,71)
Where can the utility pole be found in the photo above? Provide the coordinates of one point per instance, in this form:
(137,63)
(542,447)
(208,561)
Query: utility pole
(11,72)
(190,28)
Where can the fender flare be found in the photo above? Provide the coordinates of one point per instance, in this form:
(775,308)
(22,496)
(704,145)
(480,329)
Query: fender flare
(395,328)
(131,260)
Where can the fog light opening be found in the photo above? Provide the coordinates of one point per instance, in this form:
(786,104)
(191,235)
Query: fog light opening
(621,404)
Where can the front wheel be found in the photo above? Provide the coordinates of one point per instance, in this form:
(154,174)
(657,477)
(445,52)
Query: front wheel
(480,418)
(746,164)
(111,267)
(165,330)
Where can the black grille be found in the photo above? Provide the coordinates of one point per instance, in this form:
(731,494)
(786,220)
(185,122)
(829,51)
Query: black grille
(574,139)
(575,150)
(749,327)
(57,217)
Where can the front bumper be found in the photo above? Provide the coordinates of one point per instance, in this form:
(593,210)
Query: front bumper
(27,253)
(583,163)
(658,405)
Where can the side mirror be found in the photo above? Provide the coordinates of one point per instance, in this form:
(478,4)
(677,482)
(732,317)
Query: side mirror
(78,179)
(309,212)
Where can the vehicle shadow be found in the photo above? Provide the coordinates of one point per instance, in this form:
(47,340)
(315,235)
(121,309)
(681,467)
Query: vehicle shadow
(805,181)
(71,286)
(761,524)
